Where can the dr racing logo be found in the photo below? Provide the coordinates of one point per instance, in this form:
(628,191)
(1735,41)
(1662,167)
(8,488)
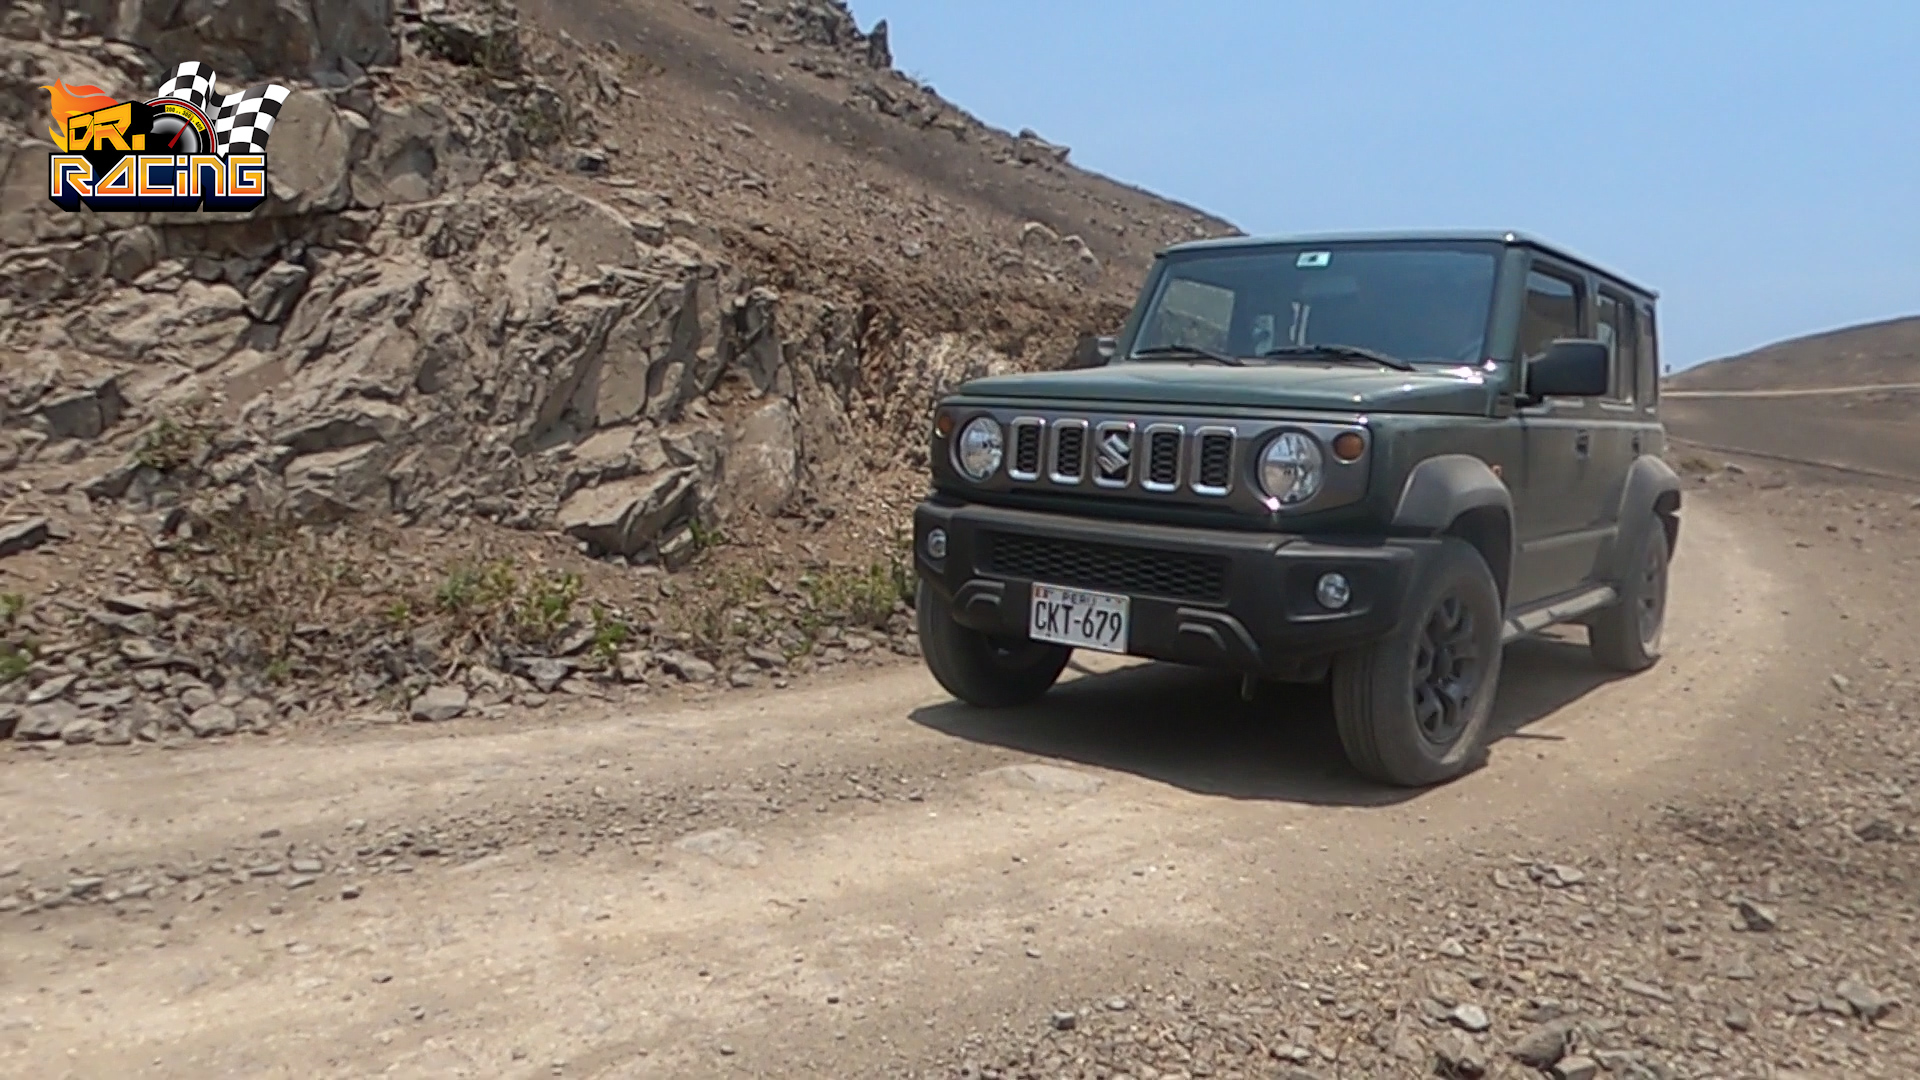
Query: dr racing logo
(186,148)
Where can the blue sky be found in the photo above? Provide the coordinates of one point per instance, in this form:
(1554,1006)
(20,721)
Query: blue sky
(1758,162)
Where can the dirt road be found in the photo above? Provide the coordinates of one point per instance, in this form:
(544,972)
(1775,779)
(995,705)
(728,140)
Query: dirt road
(1795,392)
(842,879)
(1872,432)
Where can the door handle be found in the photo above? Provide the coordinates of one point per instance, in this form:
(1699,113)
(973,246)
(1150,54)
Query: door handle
(1583,443)
(1636,443)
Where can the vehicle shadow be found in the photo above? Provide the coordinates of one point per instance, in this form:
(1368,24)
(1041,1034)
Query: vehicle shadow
(1188,727)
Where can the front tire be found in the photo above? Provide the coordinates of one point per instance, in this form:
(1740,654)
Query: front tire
(1412,708)
(1626,636)
(985,671)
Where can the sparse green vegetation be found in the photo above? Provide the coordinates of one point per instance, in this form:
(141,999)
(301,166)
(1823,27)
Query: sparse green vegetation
(14,662)
(169,445)
(539,128)
(315,601)
(400,614)
(494,603)
(268,574)
(735,606)
(705,537)
(16,654)
(610,632)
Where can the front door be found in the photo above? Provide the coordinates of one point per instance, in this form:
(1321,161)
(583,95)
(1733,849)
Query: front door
(1558,528)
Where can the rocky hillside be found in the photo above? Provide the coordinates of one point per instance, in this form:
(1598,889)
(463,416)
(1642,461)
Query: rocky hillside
(672,296)
(1870,354)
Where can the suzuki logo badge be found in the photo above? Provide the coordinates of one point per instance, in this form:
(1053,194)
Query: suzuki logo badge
(1115,453)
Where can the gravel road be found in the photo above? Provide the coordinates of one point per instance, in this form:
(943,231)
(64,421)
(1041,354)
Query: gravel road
(859,878)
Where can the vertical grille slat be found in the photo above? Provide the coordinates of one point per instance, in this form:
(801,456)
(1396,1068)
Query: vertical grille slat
(1028,435)
(1069,451)
(1162,472)
(1213,461)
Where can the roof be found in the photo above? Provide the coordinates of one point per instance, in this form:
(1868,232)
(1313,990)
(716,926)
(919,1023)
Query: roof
(1494,236)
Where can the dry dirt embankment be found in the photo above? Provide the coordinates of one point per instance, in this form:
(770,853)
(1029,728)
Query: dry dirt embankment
(529,310)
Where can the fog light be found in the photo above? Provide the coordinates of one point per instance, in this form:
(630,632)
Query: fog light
(936,543)
(1333,591)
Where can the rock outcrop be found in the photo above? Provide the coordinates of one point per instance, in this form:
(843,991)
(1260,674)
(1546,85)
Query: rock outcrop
(421,321)
(486,299)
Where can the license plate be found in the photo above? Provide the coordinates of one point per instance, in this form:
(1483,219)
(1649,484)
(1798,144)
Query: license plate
(1085,620)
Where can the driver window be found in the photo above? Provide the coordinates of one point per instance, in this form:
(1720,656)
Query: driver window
(1552,311)
(1192,313)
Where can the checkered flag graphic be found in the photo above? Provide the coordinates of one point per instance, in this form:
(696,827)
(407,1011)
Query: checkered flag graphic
(192,83)
(242,122)
(246,119)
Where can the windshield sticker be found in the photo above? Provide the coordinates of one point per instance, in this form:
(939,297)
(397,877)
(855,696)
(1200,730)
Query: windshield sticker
(1313,259)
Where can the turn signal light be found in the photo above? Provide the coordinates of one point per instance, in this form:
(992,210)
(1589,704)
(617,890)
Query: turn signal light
(1348,446)
(943,424)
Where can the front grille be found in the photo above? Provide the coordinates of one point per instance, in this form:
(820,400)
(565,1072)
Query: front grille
(1137,571)
(1069,451)
(1163,458)
(1214,474)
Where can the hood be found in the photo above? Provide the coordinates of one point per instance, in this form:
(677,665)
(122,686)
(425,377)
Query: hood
(1328,387)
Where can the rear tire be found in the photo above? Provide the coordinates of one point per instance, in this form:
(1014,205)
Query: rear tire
(985,671)
(1412,708)
(1626,636)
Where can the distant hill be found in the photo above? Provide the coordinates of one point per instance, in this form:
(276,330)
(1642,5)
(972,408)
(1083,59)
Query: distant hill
(1876,430)
(1872,353)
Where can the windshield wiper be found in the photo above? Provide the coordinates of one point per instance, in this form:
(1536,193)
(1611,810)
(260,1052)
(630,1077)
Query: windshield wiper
(1194,352)
(1339,352)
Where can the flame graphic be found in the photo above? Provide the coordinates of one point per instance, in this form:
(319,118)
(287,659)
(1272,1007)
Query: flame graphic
(68,101)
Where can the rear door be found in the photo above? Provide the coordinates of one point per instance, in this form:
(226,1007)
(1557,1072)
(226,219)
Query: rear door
(1619,427)
(1558,544)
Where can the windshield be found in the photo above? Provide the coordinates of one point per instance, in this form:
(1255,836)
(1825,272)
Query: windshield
(1424,303)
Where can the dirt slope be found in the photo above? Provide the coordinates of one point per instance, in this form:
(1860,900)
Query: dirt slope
(593,288)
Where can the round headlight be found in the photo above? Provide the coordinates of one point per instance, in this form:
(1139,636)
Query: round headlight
(1291,469)
(977,452)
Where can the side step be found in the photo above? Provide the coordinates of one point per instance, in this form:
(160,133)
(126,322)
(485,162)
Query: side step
(1559,611)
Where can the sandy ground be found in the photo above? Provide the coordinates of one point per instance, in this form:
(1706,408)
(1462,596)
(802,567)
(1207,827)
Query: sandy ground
(840,879)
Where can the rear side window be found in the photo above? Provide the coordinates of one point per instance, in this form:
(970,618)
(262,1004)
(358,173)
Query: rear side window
(1614,324)
(1649,357)
(1552,311)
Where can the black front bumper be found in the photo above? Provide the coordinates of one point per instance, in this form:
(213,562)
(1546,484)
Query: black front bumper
(1242,601)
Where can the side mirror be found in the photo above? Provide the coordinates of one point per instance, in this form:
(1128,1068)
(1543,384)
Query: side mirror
(1092,352)
(1571,367)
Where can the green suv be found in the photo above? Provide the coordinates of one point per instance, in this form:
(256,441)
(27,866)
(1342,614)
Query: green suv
(1372,458)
